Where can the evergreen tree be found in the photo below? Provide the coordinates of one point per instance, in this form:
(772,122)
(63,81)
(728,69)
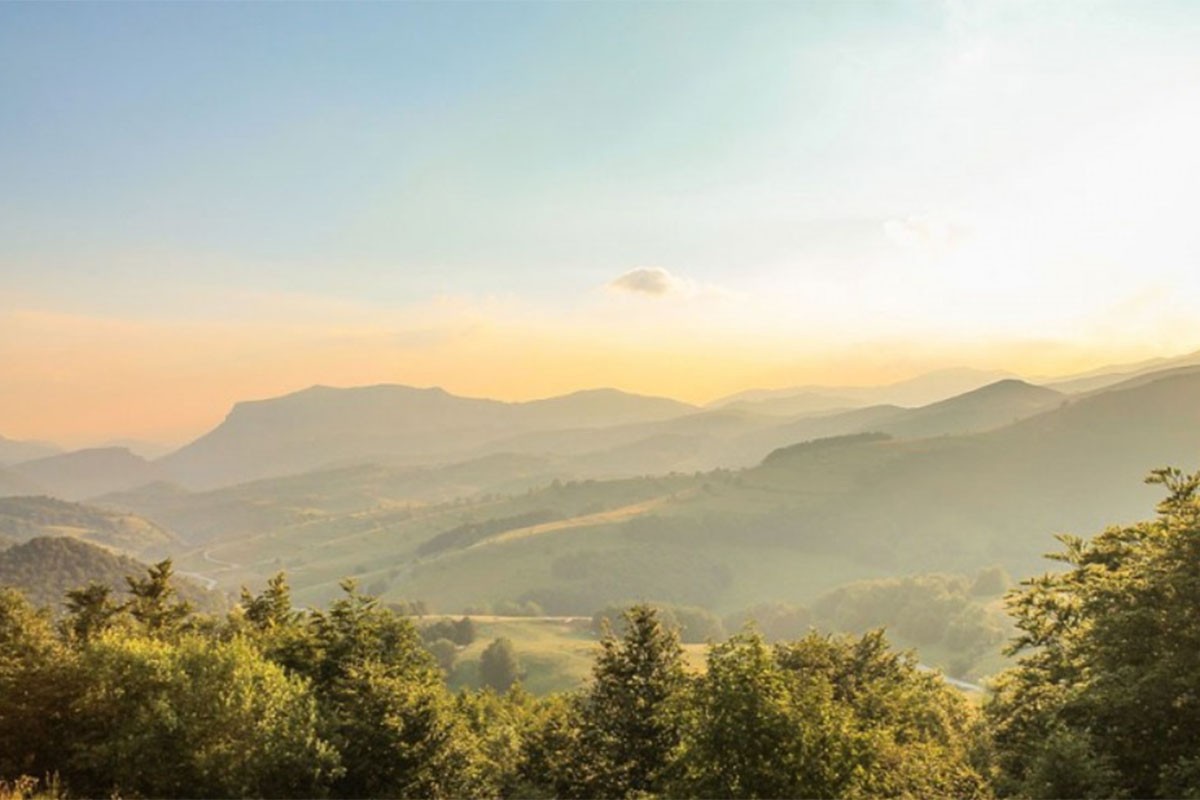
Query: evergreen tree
(630,722)
(90,610)
(153,603)
(272,608)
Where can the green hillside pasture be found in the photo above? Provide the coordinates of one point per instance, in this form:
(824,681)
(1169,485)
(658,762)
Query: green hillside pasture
(556,653)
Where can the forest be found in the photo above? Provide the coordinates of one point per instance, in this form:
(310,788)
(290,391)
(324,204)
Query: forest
(146,697)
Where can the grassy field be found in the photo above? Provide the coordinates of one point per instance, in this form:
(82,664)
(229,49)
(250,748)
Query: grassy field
(557,653)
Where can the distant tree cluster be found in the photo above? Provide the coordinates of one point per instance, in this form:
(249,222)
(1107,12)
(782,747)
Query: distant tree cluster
(938,613)
(692,624)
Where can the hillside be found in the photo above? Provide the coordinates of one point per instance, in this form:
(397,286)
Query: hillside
(311,498)
(23,518)
(1111,376)
(82,474)
(920,390)
(12,484)
(322,427)
(46,568)
(787,530)
(14,452)
(983,409)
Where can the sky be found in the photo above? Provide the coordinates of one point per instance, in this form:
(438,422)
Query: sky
(202,203)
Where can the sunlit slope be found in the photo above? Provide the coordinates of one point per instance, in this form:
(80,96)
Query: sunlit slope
(23,518)
(46,568)
(272,504)
(382,546)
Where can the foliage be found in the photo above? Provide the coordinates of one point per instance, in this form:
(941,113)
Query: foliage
(776,621)
(31,688)
(445,652)
(923,610)
(1104,701)
(46,568)
(823,717)
(499,667)
(693,625)
(153,604)
(629,726)
(191,718)
(461,632)
(397,733)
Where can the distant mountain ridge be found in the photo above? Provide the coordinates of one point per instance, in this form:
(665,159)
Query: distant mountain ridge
(921,390)
(1104,377)
(982,409)
(322,426)
(592,434)
(85,473)
(14,452)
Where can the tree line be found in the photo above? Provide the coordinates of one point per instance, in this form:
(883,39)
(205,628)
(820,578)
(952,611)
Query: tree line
(145,697)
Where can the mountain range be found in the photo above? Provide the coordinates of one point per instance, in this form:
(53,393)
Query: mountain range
(602,497)
(592,434)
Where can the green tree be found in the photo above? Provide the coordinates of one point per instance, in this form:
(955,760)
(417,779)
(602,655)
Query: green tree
(630,725)
(35,689)
(153,601)
(756,729)
(500,726)
(553,761)
(1106,695)
(90,610)
(399,735)
(272,608)
(382,701)
(191,717)
(499,667)
(445,652)
(915,736)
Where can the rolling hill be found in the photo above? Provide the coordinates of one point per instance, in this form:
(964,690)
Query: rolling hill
(805,520)
(988,407)
(262,506)
(46,568)
(23,518)
(1105,377)
(81,474)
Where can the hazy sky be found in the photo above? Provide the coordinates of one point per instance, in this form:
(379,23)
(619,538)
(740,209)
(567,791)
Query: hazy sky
(207,202)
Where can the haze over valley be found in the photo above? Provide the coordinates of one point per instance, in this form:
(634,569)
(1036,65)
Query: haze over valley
(575,503)
(600,400)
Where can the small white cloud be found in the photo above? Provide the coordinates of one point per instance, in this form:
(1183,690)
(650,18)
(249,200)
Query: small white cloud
(926,232)
(654,281)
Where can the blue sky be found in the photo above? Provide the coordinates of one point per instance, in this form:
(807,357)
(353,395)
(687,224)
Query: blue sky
(807,179)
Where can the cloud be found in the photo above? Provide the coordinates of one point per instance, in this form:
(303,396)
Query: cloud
(925,231)
(654,281)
